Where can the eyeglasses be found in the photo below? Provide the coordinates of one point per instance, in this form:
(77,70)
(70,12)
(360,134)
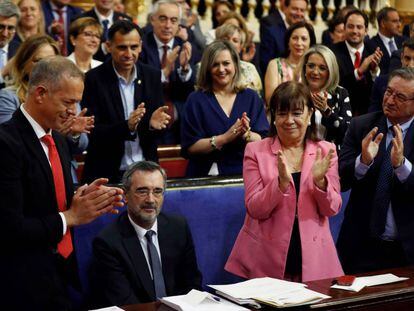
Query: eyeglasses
(321,68)
(145,192)
(400,97)
(90,34)
(8,27)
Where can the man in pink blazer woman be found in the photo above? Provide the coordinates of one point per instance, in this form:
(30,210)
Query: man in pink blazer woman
(292,187)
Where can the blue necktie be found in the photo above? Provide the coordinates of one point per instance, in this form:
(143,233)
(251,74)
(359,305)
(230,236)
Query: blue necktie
(105,23)
(382,197)
(154,259)
(392,46)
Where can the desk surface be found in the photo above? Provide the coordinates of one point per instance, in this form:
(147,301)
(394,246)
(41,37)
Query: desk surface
(396,296)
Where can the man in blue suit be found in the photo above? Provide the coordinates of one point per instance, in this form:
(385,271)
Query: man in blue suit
(388,38)
(54,11)
(380,84)
(273,28)
(163,50)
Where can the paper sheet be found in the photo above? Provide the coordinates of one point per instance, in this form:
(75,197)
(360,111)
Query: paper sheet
(361,282)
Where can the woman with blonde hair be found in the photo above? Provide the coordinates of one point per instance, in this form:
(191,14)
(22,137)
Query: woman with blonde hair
(31,22)
(221,117)
(319,70)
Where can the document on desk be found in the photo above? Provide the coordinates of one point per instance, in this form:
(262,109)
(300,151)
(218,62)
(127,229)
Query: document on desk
(276,292)
(373,280)
(200,301)
(114,308)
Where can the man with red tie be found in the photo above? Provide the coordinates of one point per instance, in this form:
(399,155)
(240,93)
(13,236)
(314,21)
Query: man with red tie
(39,206)
(358,62)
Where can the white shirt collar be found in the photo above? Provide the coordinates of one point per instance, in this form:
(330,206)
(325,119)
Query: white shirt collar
(54,7)
(110,17)
(352,50)
(40,132)
(132,77)
(160,44)
(404,126)
(6,49)
(142,231)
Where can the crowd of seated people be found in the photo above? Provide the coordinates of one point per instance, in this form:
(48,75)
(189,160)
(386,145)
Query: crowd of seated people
(302,123)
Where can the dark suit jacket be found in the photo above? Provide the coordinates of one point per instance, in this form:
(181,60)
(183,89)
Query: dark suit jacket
(377,94)
(395,61)
(376,41)
(30,226)
(150,56)
(13,46)
(355,231)
(120,273)
(71,11)
(359,90)
(100,55)
(272,39)
(103,100)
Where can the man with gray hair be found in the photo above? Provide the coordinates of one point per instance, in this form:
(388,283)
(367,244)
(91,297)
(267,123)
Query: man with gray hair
(9,16)
(39,207)
(376,163)
(145,254)
(163,50)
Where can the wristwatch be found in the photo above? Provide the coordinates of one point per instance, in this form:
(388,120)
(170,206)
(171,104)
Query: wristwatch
(213,143)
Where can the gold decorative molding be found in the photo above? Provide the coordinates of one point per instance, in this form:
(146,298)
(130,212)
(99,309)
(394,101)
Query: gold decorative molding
(132,7)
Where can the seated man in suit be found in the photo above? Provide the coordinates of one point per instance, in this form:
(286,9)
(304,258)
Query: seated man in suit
(163,50)
(125,96)
(380,84)
(273,28)
(104,13)
(388,38)
(39,207)
(376,164)
(395,61)
(145,254)
(358,62)
(58,16)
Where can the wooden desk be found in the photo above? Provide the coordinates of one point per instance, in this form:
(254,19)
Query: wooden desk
(392,297)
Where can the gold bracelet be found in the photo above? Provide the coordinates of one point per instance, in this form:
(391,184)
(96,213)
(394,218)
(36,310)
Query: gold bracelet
(213,143)
(248,135)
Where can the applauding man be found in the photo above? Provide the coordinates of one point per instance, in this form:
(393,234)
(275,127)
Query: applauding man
(376,163)
(125,96)
(38,206)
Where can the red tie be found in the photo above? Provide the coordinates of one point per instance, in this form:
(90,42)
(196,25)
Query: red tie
(164,56)
(65,247)
(357,60)
(61,21)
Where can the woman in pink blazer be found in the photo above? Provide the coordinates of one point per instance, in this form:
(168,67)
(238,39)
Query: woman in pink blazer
(291,188)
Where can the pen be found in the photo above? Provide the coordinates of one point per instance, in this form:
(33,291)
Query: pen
(215,298)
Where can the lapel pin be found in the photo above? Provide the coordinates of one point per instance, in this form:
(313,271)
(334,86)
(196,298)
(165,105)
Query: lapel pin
(139,82)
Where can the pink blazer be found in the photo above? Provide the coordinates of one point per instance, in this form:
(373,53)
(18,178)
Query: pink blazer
(262,245)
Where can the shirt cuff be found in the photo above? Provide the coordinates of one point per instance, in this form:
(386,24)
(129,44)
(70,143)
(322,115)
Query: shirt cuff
(376,73)
(360,168)
(403,171)
(184,76)
(63,223)
(163,77)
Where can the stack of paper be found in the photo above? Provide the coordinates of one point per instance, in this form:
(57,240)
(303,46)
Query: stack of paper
(200,301)
(268,290)
(361,282)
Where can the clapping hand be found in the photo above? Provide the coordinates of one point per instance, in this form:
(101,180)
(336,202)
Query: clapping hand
(185,55)
(397,150)
(160,118)
(234,131)
(320,168)
(320,100)
(76,125)
(135,117)
(284,171)
(370,146)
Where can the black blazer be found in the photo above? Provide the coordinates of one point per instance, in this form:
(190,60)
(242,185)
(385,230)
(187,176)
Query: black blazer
(376,41)
(120,273)
(150,56)
(377,94)
(355,230)
(272,39)
(103,100)
(30,226)
(359,90)
(100,55)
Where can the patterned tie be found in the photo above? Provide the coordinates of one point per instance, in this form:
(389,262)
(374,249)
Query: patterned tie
(105,24)
(357,61)
(65,246)
(382,196)
(392,46)
(154,259)
(61,21)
